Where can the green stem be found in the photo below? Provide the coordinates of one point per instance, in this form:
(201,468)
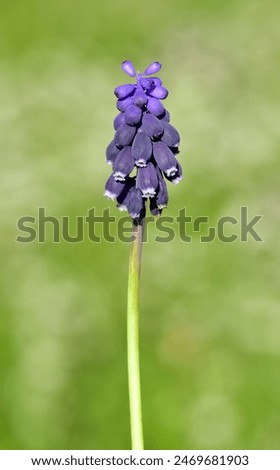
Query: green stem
(133,339)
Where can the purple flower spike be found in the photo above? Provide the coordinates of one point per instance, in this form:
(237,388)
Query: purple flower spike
(155,107)
(153,68)
(170,135)
(124,135)
(132,115)
(123,91)
(147,180)
(145,143)
(165,158)
(111,153)
(123,164)
(141,149)
(113,188)
(128,68)
(152,125)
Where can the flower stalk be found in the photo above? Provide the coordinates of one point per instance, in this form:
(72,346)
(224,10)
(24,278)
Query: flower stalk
(134,386)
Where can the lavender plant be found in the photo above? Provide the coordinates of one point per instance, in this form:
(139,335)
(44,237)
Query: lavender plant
(143,155)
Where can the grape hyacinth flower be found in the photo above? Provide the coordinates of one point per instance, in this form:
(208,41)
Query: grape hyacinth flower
(145,143)
(143,155)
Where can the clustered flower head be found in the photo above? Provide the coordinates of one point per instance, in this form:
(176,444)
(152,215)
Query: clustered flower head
(145,141)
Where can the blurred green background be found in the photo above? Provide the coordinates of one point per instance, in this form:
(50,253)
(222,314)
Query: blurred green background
(210,324)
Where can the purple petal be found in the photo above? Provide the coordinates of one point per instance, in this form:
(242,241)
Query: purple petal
(134,202)
(128,184)
(128,68)
(175,179)
(133,115)
(123,164)
(119,119)
(123,91)
(165,158)
(141,149)
(162,193)
(122,105)
(111,153)
(113,188)
(124,135)
(140,99)
(152,125)
(159,92)
(147,180)
(175,150)
(157,81)
(155,107)
(170,135)
(155,211)
(165,117)
(147,83)
(153,68)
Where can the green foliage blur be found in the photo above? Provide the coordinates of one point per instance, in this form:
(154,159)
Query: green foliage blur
(210,317)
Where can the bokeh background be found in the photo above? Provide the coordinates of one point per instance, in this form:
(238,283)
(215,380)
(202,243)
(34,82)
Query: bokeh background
(210,324)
